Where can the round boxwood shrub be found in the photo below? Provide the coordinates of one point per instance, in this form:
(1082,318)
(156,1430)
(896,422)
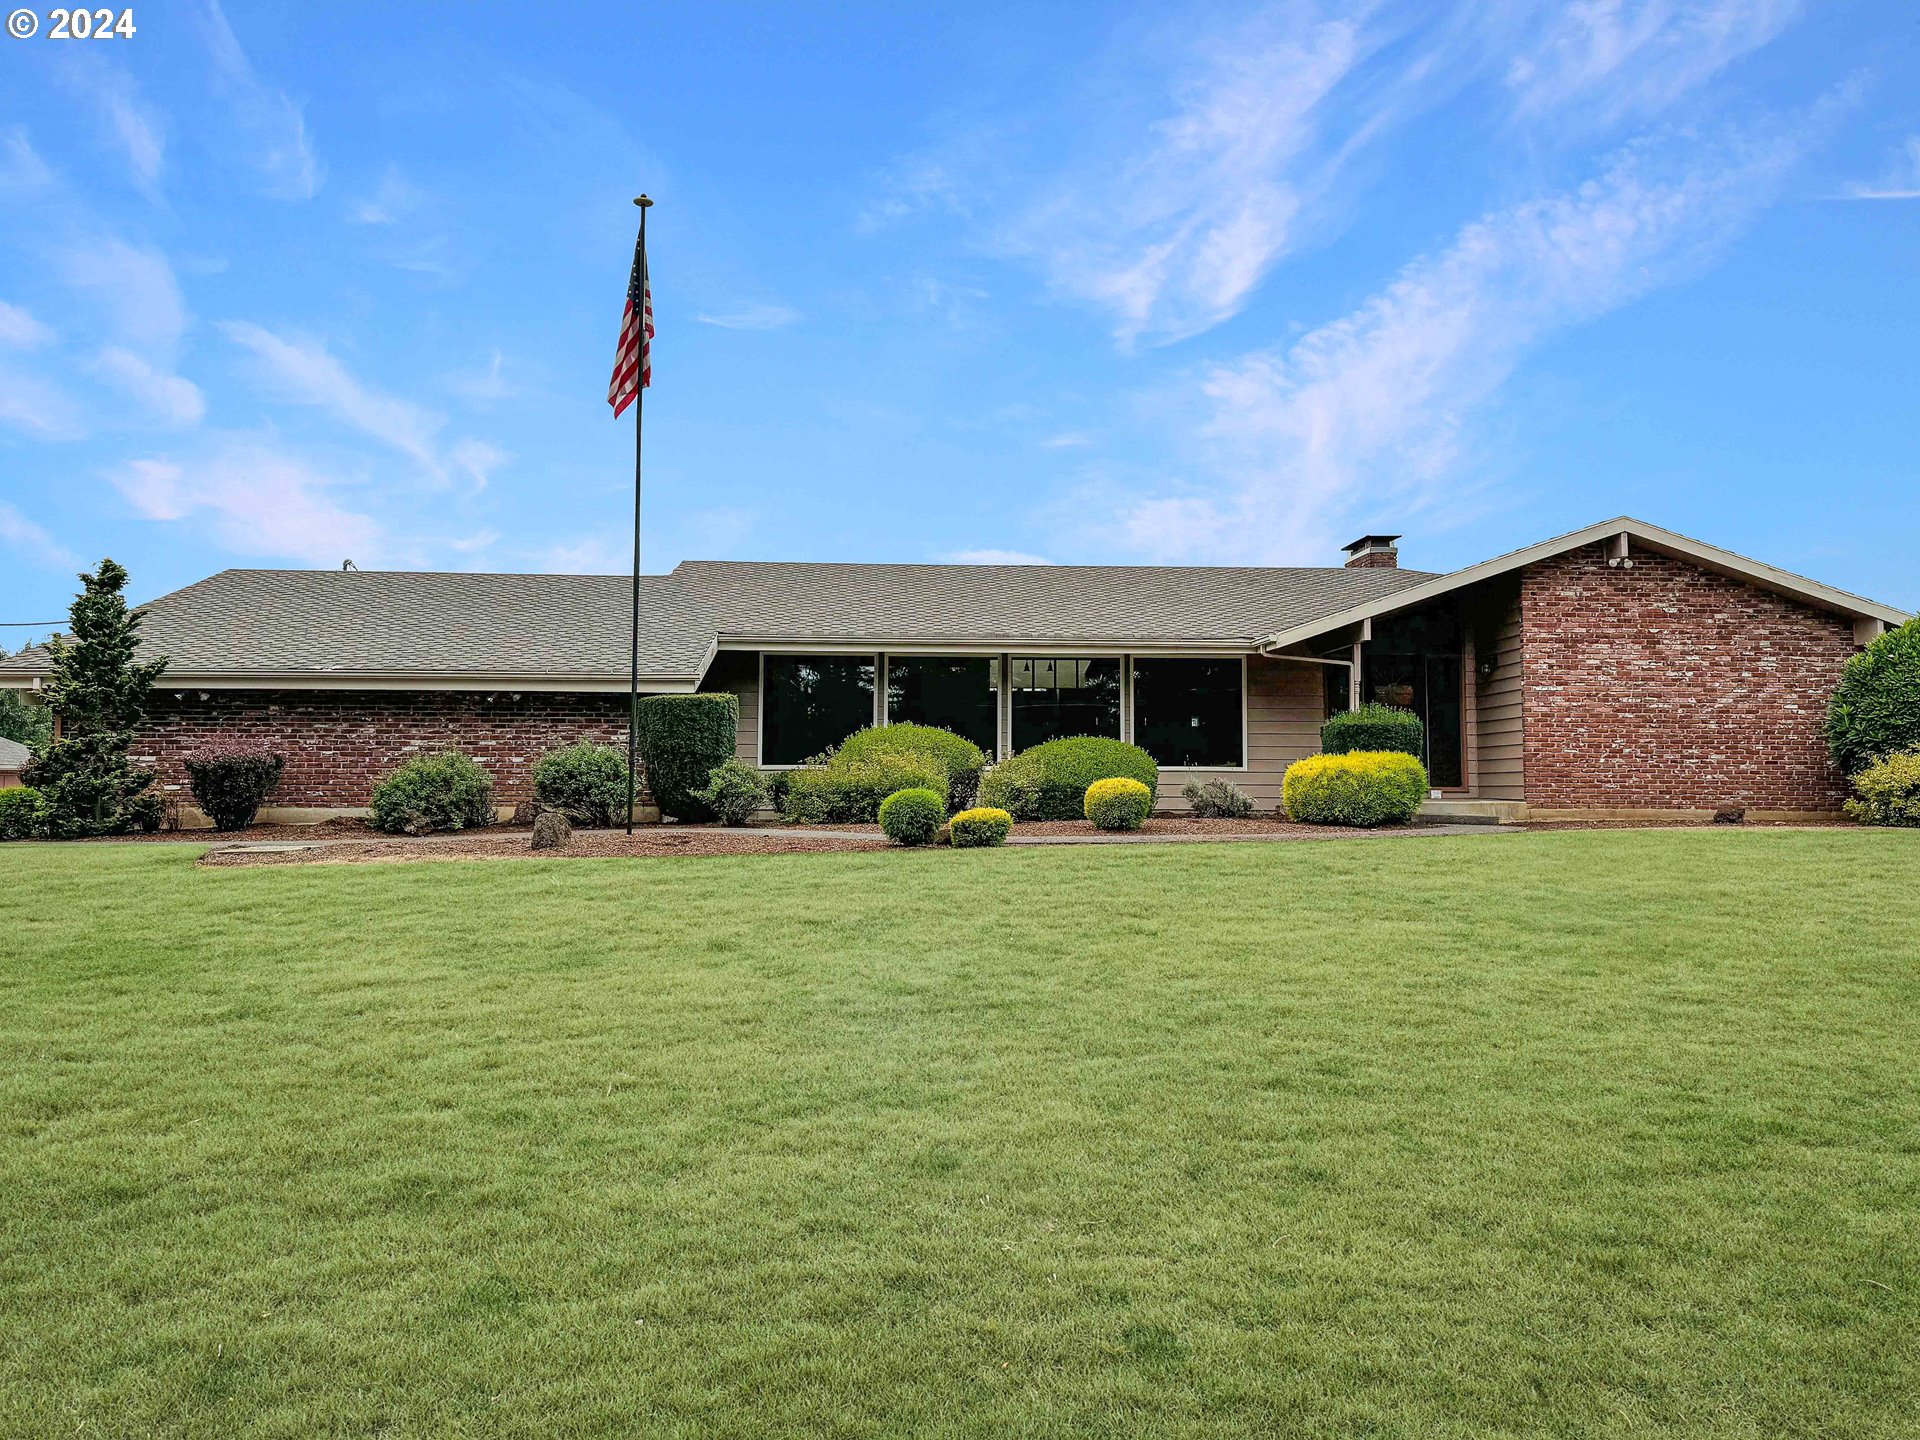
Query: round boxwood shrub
(1887,792)
(19,812)
(912,817)
(1118,804)
(586,782)
(1216,800)
(979,827)
(1875,711)
(849,792)
(962,759)
(681,738)
(432,793)
(1367,788)
(230,784)
(1049,781)
(735,792)
(1373,727)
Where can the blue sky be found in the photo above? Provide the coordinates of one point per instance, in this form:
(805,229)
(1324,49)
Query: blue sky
(287,284)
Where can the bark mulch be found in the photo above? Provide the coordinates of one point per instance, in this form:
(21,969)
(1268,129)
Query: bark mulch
(344,829)
(652,841)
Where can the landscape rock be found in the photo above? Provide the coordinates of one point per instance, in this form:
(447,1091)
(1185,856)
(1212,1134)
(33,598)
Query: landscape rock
(552,831)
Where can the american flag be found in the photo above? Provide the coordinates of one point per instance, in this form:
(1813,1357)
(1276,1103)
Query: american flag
(633,361)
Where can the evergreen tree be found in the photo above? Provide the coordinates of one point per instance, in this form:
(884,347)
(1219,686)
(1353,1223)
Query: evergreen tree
(88,784)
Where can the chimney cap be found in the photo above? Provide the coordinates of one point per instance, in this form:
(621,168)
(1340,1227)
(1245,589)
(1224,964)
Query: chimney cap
(1370,542)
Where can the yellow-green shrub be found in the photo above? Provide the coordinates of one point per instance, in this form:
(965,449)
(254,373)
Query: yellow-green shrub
(1366,788)
(1888,791)
(1118,803)
(983,826)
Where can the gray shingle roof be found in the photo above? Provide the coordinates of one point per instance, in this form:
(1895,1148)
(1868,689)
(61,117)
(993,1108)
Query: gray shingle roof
(574,627)
(13,754)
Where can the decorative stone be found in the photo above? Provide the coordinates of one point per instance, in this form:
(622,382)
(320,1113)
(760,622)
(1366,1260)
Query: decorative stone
(551,831)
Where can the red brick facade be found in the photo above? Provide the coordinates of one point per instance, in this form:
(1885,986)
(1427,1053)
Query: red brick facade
(339,742)
(1666,686)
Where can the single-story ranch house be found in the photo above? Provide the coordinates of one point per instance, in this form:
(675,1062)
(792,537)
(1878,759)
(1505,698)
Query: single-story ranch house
(1621,667)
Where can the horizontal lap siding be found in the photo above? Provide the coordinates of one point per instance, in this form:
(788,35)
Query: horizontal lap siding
(1285,705)
(1501,735)
(738,672)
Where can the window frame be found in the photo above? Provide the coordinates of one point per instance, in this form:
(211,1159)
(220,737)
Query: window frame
(1246,712)
(1123,675)
(996,684)
(875,658)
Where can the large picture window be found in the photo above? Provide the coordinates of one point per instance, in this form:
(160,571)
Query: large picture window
(1189,712)
(809,702)
(1056,697)
(956,693)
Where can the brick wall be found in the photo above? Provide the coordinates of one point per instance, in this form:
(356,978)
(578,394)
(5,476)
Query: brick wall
(1670,687)
(338,743)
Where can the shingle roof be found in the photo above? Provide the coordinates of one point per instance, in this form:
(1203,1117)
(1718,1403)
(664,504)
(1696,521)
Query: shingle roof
(13,754)
(398,624)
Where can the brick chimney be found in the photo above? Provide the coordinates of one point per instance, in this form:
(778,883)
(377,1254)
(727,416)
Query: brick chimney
(1373,552)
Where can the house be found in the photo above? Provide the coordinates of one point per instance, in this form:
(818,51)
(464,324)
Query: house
(1619,668)
(13,759)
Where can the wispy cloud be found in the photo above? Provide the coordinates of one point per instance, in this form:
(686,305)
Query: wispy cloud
(1378,407)
(265,119)
(133,126)
(1066,440)
(1902,180)
(752,317)
(485,387)
(19,330)
(38,408)
(390,201)
(134,289)
(168,397)
(256,501)
(590,555)
(20,534)
(993,557)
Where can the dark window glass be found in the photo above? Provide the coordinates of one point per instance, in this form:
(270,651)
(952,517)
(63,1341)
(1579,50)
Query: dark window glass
(812,702)
(1187,712)
(1052,698)
(954,692)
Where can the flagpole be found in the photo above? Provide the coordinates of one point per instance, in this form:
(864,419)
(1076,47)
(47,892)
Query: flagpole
(633,649)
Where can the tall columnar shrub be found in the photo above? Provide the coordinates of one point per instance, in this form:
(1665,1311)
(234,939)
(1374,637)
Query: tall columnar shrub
(681,739)
(1373,727)
(1050,780)
(1887,792)
(231,783)
(87,781)
(1365,788)
(434,792)
(962,759)
(586,782)
(1875,711)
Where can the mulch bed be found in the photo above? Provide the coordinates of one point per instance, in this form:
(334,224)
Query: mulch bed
(652,841)
(344,829)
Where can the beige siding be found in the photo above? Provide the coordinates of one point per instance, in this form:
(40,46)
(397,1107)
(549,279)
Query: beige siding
(1499,719)
(1285,706)
(739,671)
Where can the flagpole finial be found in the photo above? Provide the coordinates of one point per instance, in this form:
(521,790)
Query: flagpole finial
(642,201)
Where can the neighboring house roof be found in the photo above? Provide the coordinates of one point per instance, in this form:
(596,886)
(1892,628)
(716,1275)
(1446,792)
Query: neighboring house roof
(13,755)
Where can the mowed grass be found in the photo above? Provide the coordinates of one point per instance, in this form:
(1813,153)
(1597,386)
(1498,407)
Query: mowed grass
(1560,1134)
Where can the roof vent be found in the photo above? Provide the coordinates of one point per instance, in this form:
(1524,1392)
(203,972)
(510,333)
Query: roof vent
(1373,552)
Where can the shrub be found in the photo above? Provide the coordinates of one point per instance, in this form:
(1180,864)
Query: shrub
(434,792)
(911,817)
(681,739)
(1118,804)
(230,784)
(1216,800)
(1875,711)
(849,792)
(1887,792)
(734,792)
(587,783)
(1367,788)
(1373,728)
(959,756)
(1049,781)
(19,812)
(980,827)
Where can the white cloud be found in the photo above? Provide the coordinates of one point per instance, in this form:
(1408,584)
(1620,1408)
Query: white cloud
(1901,183)
(486,387)
(17,532)
(590,555)
(1066,440)
(1376,409)
(170,397)
(133,288)
(265,119)
(38,408)
(21,168)
(133,125)
(391,201)
(752,317)
(256,502)
(19,330)
(993,557)
(477,459)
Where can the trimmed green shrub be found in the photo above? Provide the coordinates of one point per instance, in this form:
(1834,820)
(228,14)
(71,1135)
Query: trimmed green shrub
(1216,800)
(735,792)
(1875,711)
(19,812)
(1373,728)
(912,817)
(1367,788)
(1049,781)
(434,792)
(962,759)
(1118,804)
(586,782)
(230,784)
(1887,792)
(681,739)
(849,792)
(979,827)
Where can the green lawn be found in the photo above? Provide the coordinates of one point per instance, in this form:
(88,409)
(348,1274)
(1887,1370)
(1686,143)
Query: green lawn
(1560,1134)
